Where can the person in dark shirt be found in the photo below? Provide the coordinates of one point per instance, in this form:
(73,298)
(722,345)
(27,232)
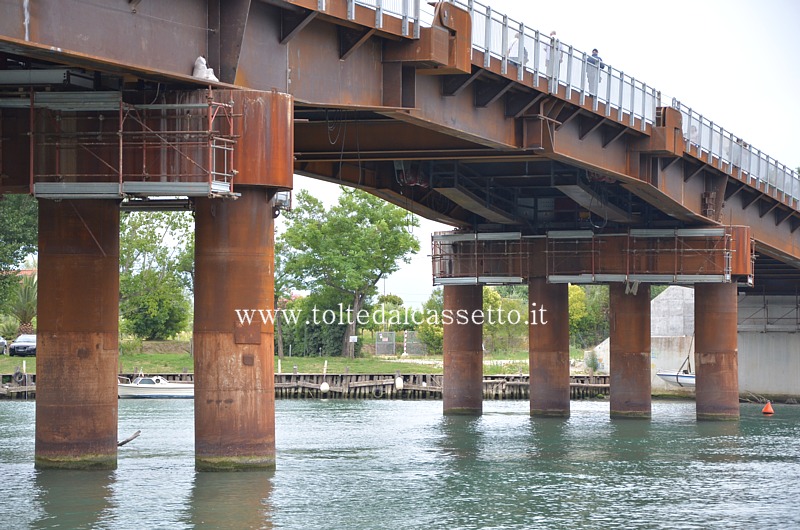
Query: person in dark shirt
(594,63)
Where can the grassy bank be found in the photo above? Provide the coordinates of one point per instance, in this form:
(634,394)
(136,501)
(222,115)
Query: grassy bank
(155,363)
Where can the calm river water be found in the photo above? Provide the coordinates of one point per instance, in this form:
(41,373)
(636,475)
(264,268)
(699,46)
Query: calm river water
(401,464)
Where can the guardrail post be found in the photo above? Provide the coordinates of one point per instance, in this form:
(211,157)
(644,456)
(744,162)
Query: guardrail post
(416,19)
(487,42)
(505,50)
(405,18)
(632,118)
(523,53)
(537,47)
(569,73)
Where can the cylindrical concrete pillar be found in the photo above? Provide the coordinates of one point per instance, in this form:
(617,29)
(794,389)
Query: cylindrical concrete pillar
(548,347)
(630,351)
(233,358)
(78,334)
(463,350)
(716,352)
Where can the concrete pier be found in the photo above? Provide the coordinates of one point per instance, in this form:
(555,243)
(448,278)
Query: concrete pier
(630,351)
(717,380)
(548,347)
(233,363)
(462,391)
(78,334)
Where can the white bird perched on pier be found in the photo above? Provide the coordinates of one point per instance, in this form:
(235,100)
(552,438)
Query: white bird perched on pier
(202,71)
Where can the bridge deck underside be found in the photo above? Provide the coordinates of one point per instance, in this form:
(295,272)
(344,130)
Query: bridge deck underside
(454,136)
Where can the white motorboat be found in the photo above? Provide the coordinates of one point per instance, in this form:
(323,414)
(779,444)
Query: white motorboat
(154,386)
(682,378)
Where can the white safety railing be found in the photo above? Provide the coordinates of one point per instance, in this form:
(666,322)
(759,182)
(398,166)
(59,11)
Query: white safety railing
(738,158)
(406,10)
(514,43)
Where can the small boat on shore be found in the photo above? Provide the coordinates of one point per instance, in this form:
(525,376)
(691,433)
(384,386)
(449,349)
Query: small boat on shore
(154,386)
(683,378)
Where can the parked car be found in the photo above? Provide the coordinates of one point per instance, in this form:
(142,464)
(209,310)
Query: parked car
(3,346)
(25,345)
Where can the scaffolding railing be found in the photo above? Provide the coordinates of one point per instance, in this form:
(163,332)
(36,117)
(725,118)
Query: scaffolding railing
(96,145)
(662,256)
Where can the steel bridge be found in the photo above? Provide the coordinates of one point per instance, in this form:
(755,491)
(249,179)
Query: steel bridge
(553,168)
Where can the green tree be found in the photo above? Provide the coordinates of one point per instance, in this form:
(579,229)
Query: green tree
(589,327)
(23,304)
(389,314)
(19,228)
(282,284)
(492,301)
(577,311)
(155,305)
(311,335)
(348,248)
(431,331)
(156,272)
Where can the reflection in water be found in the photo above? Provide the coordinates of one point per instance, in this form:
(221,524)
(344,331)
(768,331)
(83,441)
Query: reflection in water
(71,499)
(401,464)
(231,500)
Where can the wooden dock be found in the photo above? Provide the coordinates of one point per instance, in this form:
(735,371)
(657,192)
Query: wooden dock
(18,392)
(375,386)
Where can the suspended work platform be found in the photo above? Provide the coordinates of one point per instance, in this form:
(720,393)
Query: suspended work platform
(95,145)
(672,256)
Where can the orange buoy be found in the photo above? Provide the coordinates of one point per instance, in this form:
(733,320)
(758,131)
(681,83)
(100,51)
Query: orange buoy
(767,409)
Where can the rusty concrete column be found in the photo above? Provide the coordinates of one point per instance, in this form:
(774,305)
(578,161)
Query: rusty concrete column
(78,334)
(716,351)
(234,269)
(630,351)
(233,361)
(548,347)
(463,350)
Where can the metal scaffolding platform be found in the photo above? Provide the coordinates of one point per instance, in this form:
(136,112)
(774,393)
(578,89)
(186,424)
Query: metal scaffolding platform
(673,256)
(95,145)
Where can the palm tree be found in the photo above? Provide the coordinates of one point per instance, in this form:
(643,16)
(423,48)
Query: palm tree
(23,307)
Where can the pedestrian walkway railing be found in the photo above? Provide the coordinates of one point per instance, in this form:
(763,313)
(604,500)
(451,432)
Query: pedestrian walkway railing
(622,95)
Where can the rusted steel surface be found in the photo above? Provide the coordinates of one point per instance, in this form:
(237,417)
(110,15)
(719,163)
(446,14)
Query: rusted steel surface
(391,26)
(162,36)
(78,308)
(263,154)
(548,354)
(630,351)
(318,76)
(233,362)
(264,129)
(462,391)
(716,352)
(14,151)
(611,257)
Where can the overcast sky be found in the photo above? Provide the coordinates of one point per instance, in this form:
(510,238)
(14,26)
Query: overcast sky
(733,61)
